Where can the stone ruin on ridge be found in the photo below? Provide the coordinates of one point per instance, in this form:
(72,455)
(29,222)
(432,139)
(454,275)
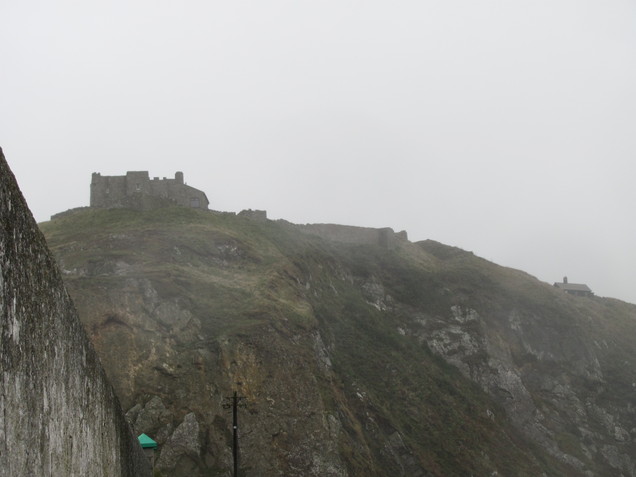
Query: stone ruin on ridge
(136,190)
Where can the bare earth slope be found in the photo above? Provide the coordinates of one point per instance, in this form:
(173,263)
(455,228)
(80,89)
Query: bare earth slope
(355,360)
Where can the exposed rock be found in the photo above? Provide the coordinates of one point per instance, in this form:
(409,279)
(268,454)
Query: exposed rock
(488,359)
(182,449)
(322,354)
(151,417)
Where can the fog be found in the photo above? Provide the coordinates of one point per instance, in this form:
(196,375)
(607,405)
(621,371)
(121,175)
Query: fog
(502,127)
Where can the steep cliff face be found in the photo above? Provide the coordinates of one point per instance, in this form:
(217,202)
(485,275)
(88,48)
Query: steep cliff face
(562,367)
(58,413)
(354,359)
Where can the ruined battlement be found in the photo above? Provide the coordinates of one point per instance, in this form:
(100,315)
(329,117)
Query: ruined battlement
(384,237)
(136,190)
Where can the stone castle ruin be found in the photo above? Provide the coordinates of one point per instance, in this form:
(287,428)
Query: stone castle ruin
(136,190)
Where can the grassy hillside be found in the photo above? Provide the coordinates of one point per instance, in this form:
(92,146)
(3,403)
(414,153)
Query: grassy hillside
(354,359)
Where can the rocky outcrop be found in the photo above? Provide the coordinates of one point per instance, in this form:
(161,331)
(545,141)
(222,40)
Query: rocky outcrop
(546,360)
(183,444)
(59,415)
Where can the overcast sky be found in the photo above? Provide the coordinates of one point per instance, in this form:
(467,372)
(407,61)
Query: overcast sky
(507,127)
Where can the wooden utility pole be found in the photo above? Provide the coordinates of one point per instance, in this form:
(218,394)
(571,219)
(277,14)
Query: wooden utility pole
(235,403)
(235,452)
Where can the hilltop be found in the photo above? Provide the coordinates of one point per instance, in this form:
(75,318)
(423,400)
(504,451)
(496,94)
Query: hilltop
(413,359)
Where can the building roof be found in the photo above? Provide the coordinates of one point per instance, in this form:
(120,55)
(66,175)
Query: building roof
(573,287)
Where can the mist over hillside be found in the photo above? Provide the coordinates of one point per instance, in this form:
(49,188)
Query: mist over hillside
(506,128)
(375,357)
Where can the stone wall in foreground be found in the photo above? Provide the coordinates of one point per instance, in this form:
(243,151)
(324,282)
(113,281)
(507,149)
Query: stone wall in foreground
(59,415)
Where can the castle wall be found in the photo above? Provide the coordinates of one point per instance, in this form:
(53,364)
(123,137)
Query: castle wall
(136,190)
(137,182)
(384,237)
(254,214)
(180,193)
(108,191)
(59,415)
